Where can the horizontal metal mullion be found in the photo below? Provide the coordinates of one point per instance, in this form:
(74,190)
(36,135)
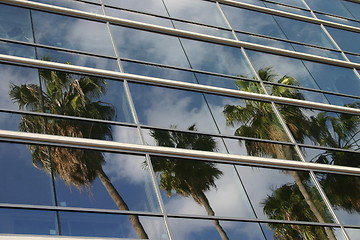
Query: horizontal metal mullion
(178,84)
(186,153)
(183,33)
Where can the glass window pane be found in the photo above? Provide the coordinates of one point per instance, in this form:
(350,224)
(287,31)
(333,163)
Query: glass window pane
(329,6)
(196,229)
(343,194)
(347,40)
(200,11)
(18,28)
(103,180)
(21,221)
(283,195)
(115,226)
(72,33)
(148,6)
(18,50)
(73,5)
(22,181)
(200,188)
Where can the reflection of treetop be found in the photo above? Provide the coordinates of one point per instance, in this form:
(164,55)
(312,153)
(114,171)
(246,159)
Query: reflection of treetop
(68,94)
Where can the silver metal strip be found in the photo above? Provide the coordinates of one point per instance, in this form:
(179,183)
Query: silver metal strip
(191,35)
(79,142)
(172,83)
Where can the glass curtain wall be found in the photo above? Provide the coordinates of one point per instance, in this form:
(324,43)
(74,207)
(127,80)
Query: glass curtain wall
(192,119)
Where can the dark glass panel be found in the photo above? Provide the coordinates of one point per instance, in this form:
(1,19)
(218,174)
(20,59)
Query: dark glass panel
(21,221)
(306,74)
(166,107)
(21,181)
(185,140)
(108,225)
(216,58)
(148,46)
(337,130)
(72,33)
(200,188)
(18,28)
(15,76)
(159,72)
(77,59)
(121,182)
(283,195)
(347,40)
(198,229)
(246,118)
(343,193)
(251,21)
(203,29)
(122,13)
(148,6)
(200,11)
(261,149)
(18,50)
(292,231)
(73,5)
(329,6)
(332,157)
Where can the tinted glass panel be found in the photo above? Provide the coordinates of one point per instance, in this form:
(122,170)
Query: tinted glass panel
(104,180)
(345,39)
(116,226)
(21,181)
(149,6)
(72,33)
(344,195)
(283,195)
(18,28)
(73,4)
(20,221)
(201,188)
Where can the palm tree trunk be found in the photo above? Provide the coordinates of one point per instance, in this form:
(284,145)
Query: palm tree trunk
(311,204)
(205,202)
(121,204)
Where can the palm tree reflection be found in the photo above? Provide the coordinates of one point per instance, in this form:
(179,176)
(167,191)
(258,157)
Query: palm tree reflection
(68,94)
(188,178)
(257,119)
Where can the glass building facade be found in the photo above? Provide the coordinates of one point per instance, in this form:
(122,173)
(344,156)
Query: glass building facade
(180,119)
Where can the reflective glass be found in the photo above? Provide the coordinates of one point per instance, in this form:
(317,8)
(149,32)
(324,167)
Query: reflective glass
(353,233)
(347,40)
(245,118)
(289,9)
(18,50)
(70,94)
(292,231)
(338,19)
(148,6)
(120,13)
(103,180)
(200,11)
(353,8)
(200,188)
(307,74)
(72,33)
(261,149)
(329,6)
(73,5)
(77,59)
(295,3)
(21,221)
(21,180)
(284,195)
(216,58)
(109,225)
(185,140)
(322,128)
(333,157)
(198,229)
(343,193)
(12,76)
(165,107)
(192,27)
(18,28)
(148,46)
